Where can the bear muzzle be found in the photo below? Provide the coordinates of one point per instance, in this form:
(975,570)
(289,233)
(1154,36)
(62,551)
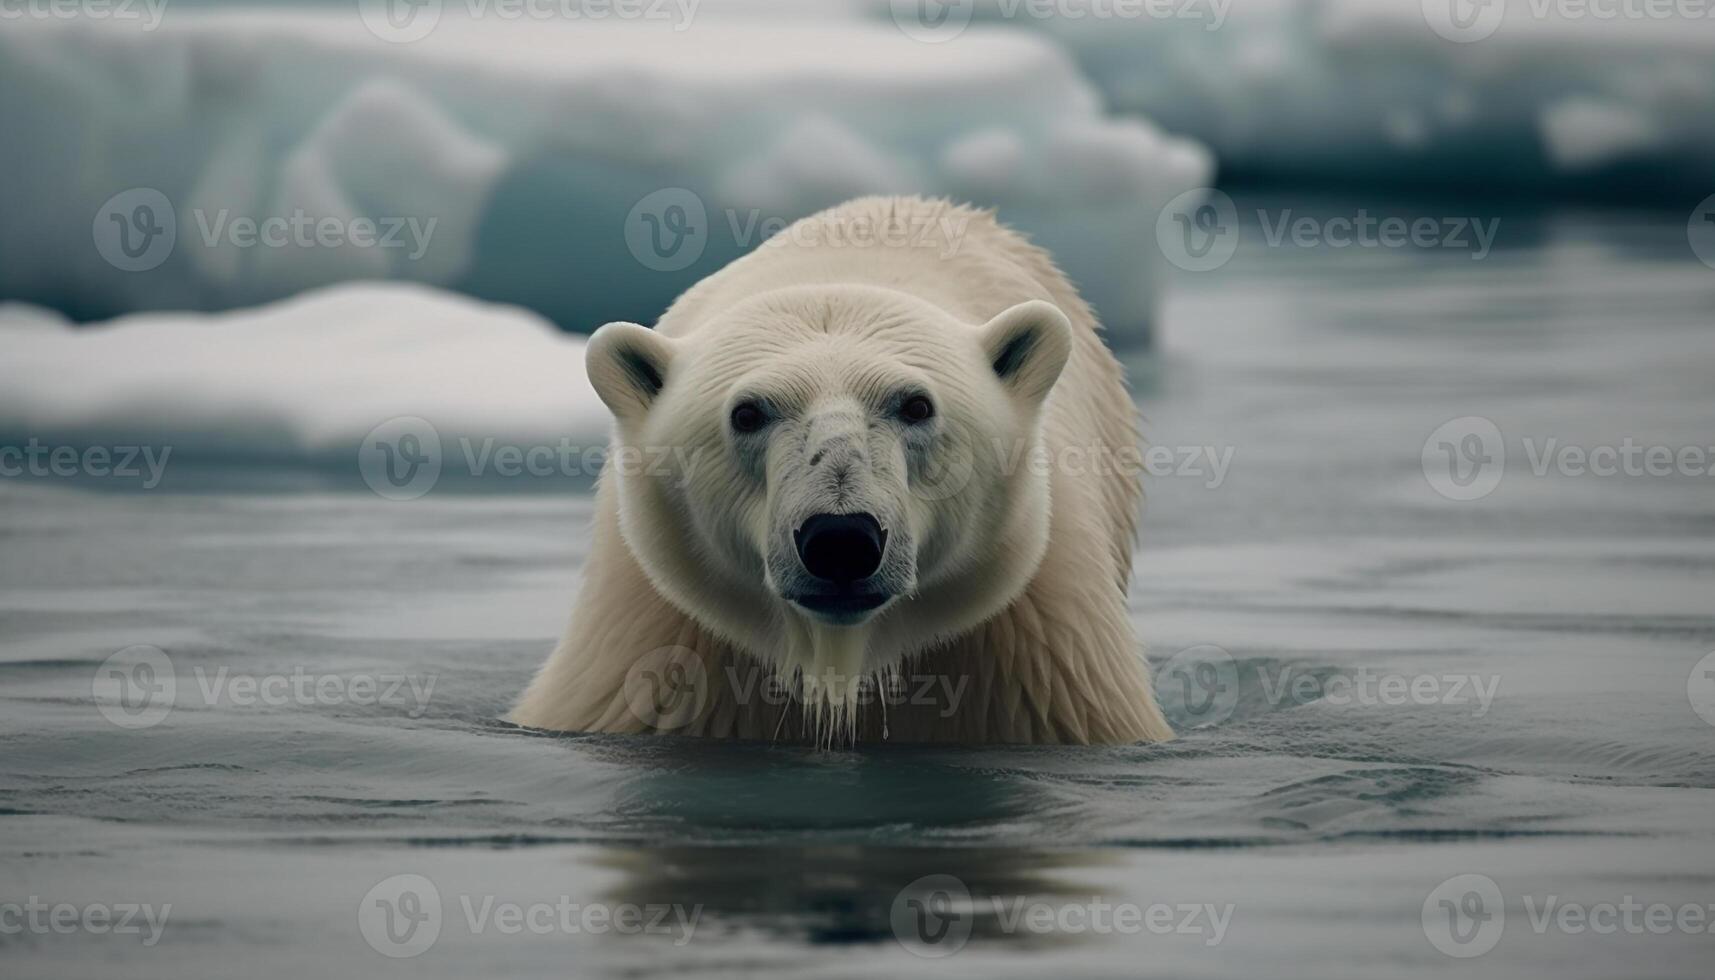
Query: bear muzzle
(840,548)
(840,552)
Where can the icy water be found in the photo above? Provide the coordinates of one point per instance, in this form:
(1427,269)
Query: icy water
(1378,689)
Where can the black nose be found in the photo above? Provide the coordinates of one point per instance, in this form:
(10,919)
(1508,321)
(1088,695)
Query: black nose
(842,548)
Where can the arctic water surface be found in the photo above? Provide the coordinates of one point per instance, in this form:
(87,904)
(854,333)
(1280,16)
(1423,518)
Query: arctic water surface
(1380,688)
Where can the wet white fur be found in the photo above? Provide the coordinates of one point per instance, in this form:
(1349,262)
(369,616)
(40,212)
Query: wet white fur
(1017,572)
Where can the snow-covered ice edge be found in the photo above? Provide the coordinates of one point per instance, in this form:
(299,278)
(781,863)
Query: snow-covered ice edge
(588,171)
(1551,99)
(360,380)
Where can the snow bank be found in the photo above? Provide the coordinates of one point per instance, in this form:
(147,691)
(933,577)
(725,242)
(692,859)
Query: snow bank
(1593,99)
(588,170)
(301,382)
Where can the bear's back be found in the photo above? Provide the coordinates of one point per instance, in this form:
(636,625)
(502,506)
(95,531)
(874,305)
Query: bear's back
(955,256)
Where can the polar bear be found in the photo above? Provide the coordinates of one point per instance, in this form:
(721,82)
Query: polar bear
(842,503)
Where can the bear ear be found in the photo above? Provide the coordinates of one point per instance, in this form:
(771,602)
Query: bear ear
(627,365)
(1028,345)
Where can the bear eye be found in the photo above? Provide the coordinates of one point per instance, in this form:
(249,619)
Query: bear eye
(917,408)
(748,417)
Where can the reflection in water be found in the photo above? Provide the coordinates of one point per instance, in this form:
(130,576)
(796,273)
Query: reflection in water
(697,789)
(845,891)
(854,893)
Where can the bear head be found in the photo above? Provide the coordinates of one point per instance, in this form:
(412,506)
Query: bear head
(834,478)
